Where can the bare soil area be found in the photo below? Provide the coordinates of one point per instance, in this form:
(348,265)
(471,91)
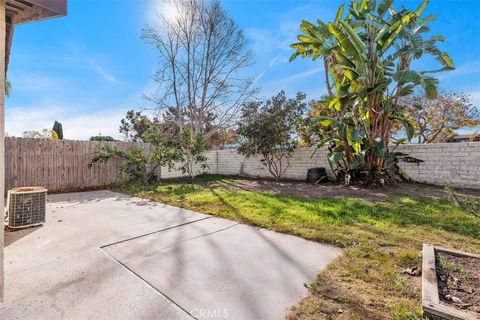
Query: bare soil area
(459,281)
(334,190)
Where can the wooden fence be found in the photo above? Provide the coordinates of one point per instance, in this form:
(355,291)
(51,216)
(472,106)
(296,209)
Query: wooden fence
(62,165)
(59,165)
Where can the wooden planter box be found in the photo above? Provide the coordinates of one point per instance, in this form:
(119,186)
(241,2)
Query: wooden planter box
(431,306)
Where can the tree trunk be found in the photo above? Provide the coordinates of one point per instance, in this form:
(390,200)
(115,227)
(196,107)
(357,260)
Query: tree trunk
(327,80)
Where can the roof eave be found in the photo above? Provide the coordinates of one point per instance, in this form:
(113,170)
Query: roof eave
(25,11)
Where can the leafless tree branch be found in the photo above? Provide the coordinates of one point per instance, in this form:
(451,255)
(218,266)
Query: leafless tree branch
(202,52)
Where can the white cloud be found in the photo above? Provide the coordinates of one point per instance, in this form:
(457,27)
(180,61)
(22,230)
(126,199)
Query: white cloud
(271,45)
(303,74)
(468,68)
(102,72)
(84,126)
(277,38)
(78,126)
(31,82)
(260,76)
(273,61)
(291,80)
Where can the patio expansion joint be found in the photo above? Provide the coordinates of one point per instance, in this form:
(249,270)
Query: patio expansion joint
(160,293)
(184,240)
(103,246)
(153,232)
(124,265)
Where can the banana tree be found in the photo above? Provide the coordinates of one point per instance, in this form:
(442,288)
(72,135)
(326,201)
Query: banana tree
(368,51)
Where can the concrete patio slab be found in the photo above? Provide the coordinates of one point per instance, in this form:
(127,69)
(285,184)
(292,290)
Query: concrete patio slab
(217,268)
(104,255)
(85,285)
(84,220)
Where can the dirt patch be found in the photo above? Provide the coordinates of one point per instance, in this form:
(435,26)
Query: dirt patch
(333,190)
(459,281)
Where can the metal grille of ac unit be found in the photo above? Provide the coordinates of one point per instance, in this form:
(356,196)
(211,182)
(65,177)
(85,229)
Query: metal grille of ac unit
(26,206)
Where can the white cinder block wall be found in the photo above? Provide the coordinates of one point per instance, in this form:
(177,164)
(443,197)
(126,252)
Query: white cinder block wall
(455,163)
(176,172)
(231,163)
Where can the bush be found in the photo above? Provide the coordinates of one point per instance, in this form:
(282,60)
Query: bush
(270,129)
(138,163)
(101,138)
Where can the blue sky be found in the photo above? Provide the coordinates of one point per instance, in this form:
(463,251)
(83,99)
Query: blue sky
(87,69)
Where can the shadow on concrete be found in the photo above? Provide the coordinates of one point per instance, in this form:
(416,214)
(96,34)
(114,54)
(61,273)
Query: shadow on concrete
(219,255)
(12,235)
(77,198)
(242,217)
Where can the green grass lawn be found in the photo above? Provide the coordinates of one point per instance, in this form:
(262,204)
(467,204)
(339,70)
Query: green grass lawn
(380,240)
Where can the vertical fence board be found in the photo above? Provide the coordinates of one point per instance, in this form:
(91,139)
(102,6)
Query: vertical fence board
(59,165)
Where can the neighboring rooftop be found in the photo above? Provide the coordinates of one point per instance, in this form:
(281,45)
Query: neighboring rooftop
(463,138)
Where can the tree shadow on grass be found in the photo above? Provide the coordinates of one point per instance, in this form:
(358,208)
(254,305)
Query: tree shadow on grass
(399,212)
(273,245)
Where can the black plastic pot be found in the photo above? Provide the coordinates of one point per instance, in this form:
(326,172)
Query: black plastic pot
(317,175)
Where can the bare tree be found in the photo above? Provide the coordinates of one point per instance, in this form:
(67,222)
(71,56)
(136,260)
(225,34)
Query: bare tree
(202,53)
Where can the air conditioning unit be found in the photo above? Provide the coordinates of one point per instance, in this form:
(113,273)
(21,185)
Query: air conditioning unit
(26,206)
